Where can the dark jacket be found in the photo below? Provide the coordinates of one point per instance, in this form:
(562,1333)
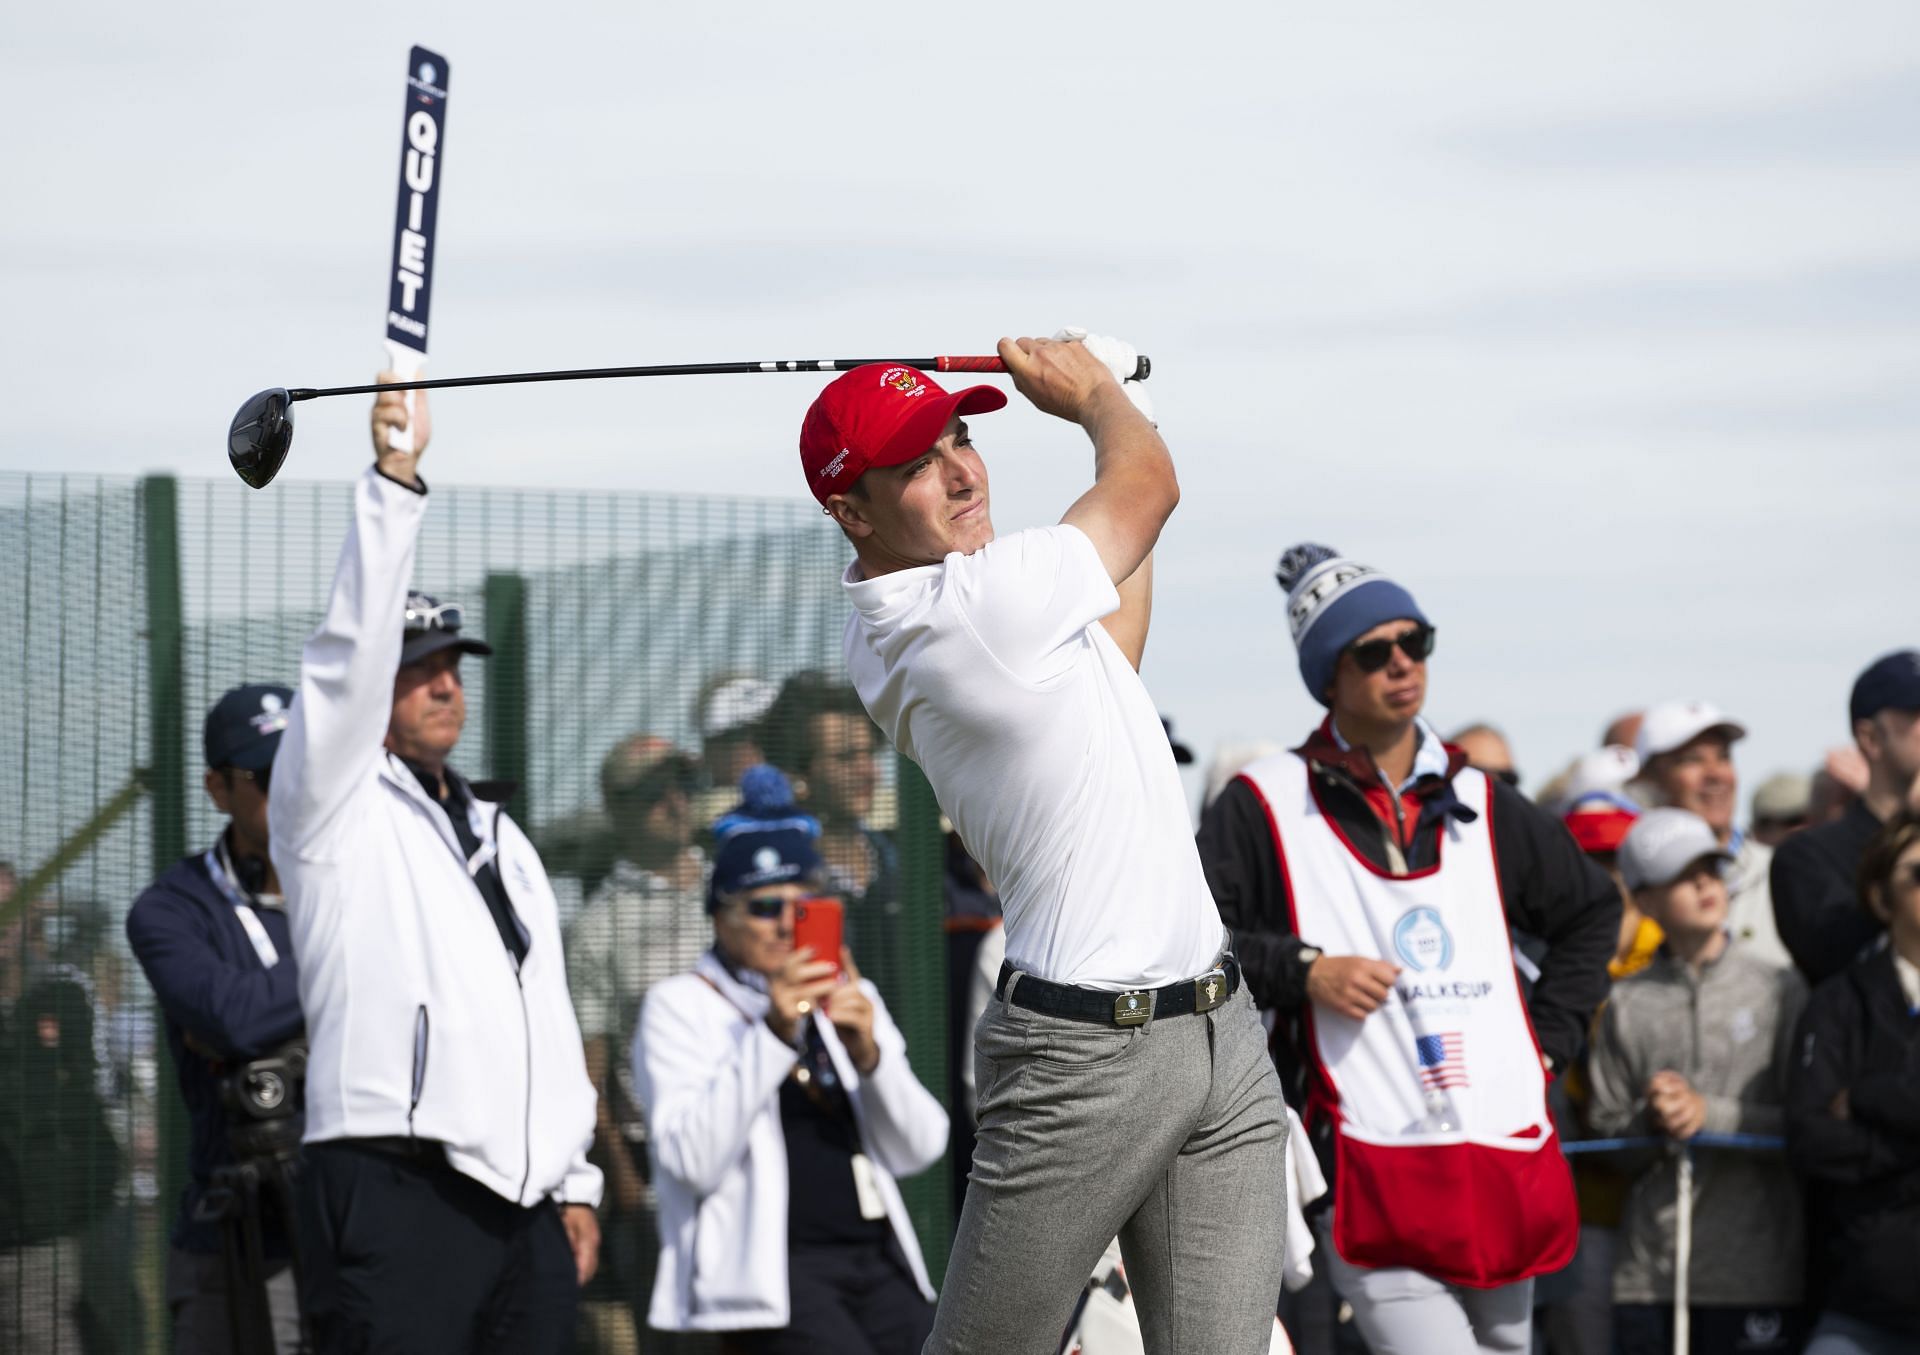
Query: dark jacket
(1549,886)
(1816,904)
(1863,1172)
(212,985)
(59,1162)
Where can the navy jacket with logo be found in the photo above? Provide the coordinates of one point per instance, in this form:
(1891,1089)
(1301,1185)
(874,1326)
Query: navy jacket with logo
(211,985)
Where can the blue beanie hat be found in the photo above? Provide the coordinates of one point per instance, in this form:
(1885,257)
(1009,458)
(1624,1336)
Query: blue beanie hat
(764,840)
(1333,601)
(766,801)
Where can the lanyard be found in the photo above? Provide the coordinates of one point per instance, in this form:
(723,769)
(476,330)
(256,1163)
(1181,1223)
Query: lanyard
(242,906)
(814,1071)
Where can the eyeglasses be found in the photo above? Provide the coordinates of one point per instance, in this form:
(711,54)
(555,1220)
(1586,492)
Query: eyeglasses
(259,778)
(440,616)
(767,907)
(1370,656)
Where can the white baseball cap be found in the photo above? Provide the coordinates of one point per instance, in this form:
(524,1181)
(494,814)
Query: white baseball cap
(1604,771)
(1674,724)
(736,703)
(1664,842)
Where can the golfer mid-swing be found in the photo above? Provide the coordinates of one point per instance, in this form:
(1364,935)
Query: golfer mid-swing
(1124,1084)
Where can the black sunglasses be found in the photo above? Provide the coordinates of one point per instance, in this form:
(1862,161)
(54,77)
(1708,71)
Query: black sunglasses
(767,907)
(1370,656)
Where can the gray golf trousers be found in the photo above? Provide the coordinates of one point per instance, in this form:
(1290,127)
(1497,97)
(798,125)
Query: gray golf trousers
(1403,1312)
(1171,1136)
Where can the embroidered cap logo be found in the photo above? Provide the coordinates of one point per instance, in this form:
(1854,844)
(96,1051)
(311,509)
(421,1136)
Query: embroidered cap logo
(272,717)
(903,379)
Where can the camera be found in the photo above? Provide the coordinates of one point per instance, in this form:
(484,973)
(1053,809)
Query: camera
(264,1100)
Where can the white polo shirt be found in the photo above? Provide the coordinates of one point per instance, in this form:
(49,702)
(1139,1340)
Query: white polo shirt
(992,672)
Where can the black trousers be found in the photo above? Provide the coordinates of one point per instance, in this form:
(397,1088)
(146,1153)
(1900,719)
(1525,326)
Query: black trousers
(403,1254)
(1647,1329)
(845,1301)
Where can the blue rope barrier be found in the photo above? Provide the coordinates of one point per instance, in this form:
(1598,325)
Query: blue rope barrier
(1751,1143)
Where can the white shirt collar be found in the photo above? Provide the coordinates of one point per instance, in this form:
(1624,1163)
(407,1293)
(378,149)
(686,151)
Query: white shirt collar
(1909,975)
(1429,754)
(878,597)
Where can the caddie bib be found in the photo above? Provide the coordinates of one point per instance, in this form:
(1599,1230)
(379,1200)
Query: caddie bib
(1445,1155)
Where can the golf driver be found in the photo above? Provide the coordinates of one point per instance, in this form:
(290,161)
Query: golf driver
(262,432)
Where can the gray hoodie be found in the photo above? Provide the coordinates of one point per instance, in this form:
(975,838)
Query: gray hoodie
(1726,1030)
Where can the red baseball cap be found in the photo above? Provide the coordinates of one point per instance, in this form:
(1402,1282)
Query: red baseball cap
(1600,822)
(883,414)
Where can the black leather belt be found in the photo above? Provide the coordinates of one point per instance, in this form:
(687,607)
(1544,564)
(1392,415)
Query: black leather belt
(1130,1008)
(431,1152)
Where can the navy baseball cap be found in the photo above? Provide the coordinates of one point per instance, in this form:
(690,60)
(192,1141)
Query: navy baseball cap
(757,857)
(1891,682)
(430,626)
(243,728)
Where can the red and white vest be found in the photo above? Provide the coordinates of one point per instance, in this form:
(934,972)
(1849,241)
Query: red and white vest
(1445,1155)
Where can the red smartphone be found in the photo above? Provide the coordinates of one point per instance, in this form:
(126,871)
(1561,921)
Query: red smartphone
(817,926)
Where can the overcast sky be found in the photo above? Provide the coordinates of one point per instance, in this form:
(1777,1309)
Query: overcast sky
(1598,330)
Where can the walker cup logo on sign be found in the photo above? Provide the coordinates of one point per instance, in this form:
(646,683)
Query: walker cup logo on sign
(903,379)
(1422,942)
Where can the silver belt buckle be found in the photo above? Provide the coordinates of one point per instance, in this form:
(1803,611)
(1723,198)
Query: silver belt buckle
(1210,990)
(1132,1009)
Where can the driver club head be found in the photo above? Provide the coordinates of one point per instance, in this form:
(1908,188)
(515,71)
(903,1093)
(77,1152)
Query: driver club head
(260,436)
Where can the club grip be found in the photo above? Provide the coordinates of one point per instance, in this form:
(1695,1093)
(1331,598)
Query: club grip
(1142,369)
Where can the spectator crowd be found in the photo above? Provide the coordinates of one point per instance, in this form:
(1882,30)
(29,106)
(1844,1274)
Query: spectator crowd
(1631,969)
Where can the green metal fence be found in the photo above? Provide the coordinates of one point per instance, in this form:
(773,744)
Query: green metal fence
(129,606)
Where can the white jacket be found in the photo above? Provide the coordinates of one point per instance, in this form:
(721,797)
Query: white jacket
(419,1021)
(708,1072)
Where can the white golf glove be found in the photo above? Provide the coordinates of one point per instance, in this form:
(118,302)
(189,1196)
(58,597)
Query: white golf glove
(1121,359)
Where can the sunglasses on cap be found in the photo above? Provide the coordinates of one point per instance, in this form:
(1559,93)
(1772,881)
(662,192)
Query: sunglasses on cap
(440,616)
(1370,656)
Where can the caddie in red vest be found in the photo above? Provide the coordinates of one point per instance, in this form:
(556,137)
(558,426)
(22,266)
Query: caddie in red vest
(1370,878)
